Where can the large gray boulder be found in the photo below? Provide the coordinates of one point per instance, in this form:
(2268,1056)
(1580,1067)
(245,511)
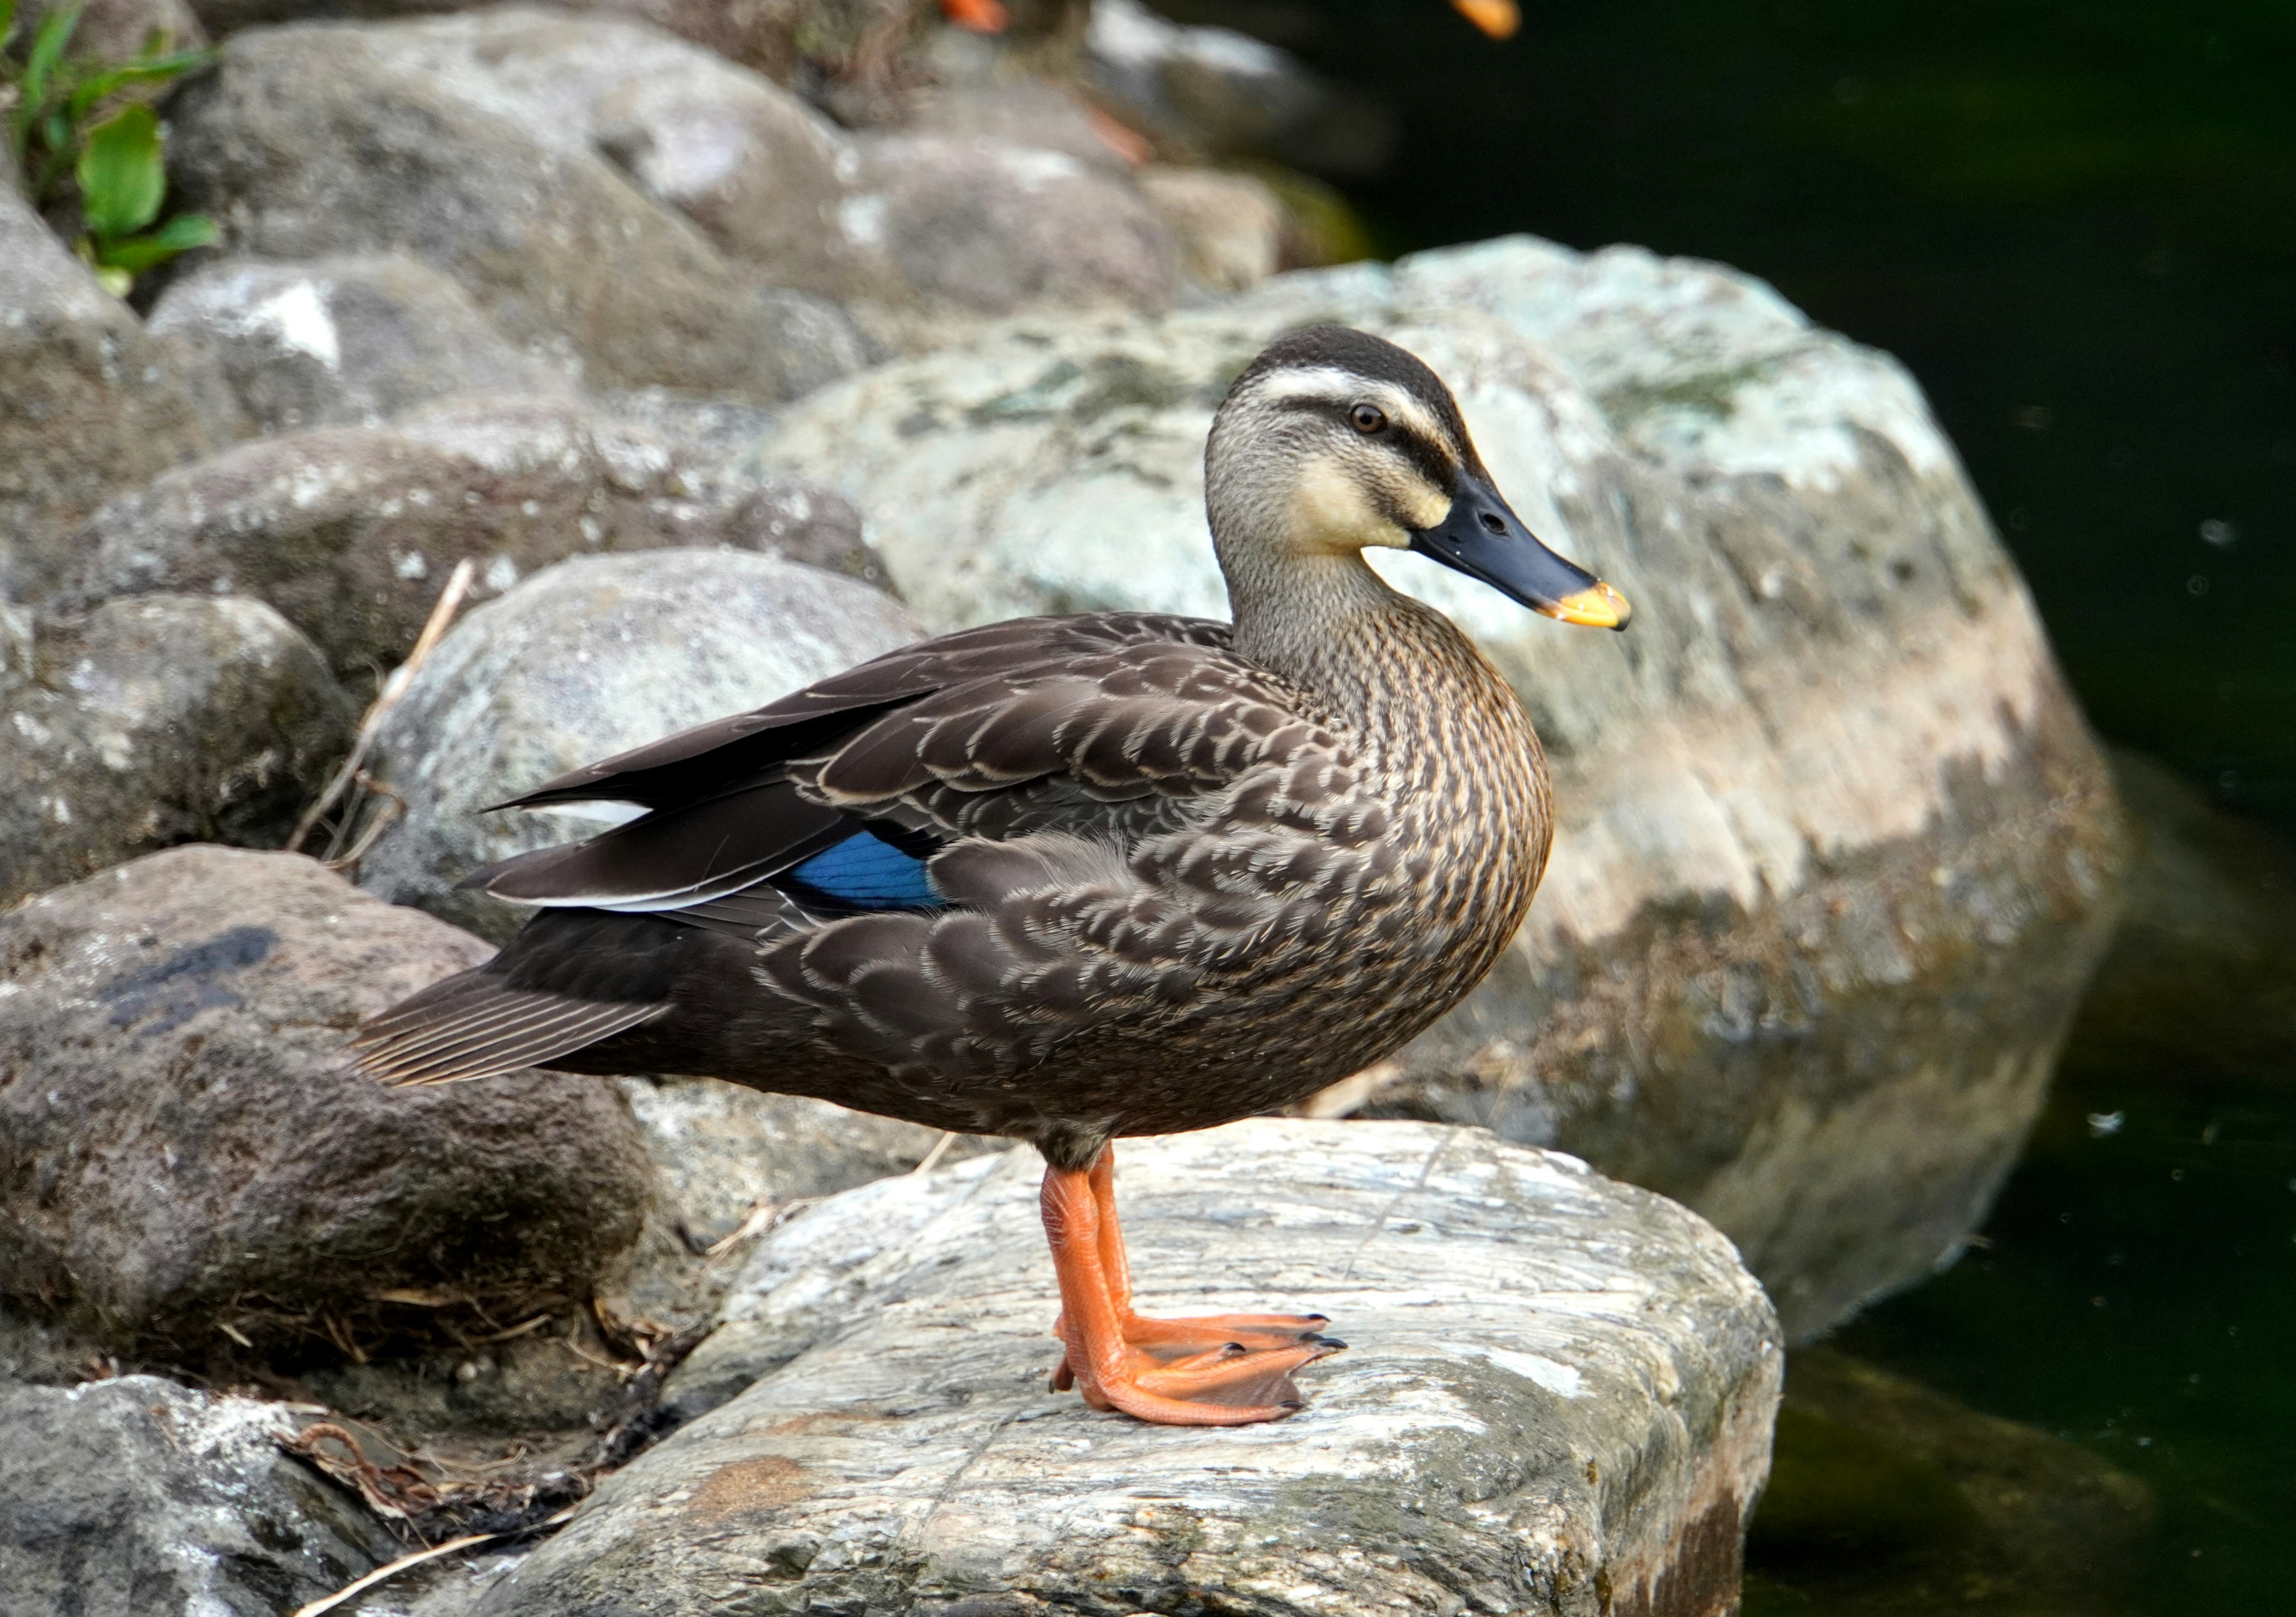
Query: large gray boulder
(138,1497)
(588,660)
(1557,1399)
(342,342)
(185,1145)
(156,719)
(317,139)
(87,408)
(350,532)
(1835,851)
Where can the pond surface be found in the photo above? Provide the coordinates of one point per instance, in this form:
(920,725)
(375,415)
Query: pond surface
(2075,220)
(2135,1294)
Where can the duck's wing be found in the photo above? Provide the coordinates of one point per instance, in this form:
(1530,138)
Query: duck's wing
(829,801)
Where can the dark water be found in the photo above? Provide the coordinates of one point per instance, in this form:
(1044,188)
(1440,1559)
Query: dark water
(2076,222)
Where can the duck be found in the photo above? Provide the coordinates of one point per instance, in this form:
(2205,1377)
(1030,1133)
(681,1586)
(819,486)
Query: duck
(1077,879)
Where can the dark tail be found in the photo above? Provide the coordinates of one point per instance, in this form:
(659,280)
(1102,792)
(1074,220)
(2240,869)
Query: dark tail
(475,1026)
(571,979)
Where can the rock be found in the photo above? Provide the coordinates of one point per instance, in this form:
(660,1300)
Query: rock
(314,141)
(758,170)
(814,43)
(1887,1496)
(449,1587)
(1230,228)
(346,341)
(1835,852)
(1214,93)
(116,30)
(350,532)
(985,103)
(729,1161)
(920,224)
(979,227)
(586,660)
(2202,973)
(138,1497)
(158,720)
(87,408)
(946,219)
(720,1150)
(1558,1398)
(185,1145)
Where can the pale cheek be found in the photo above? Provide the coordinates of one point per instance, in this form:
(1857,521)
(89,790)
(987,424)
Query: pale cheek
(1425,508)
(1330,511)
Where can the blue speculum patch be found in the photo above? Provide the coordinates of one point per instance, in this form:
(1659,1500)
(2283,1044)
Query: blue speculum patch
(866,872)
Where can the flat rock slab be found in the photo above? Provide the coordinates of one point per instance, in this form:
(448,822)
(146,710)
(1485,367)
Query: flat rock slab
(1558,1398)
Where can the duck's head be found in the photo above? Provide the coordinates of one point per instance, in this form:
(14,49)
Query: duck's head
(1333,442)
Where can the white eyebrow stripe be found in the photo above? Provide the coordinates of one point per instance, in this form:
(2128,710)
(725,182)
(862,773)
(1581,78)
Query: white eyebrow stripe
(1330,385)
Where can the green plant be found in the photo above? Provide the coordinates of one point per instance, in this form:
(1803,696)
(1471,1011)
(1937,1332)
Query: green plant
(109,171)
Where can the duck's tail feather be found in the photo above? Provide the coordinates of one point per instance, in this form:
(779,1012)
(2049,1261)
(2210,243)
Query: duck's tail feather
(476,1025)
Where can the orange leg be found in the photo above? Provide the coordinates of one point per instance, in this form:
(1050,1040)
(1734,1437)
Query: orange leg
(1219,1370)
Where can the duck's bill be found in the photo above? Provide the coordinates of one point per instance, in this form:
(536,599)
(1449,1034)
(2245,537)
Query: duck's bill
(1483,538)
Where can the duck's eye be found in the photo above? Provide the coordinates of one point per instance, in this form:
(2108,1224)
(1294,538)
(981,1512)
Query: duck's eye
(1367,417)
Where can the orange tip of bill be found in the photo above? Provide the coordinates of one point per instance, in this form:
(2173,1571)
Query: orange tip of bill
(984,16)
(1598,608)
(1497,18)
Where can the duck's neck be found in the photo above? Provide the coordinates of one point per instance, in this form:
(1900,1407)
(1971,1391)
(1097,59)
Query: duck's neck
(1330,624)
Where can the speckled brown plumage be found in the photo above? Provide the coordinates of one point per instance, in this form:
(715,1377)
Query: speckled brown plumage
(1182,872)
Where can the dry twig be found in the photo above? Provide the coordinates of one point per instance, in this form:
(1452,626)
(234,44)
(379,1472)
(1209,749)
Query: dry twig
(450,600)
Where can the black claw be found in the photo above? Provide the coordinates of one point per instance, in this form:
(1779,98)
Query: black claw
(1292,1404)
(1233,1347)
(1334,1343)
(1318,1318)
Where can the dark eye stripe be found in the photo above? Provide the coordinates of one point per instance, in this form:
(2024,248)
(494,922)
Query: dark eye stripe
(1431,460)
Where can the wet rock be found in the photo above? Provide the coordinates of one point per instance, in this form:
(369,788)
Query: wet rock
(1886,1496)
(1214,93)
(158,720)
(319,140)
(86,406)
(138,1497)
(351,532)
(346,341)
(1229,227)
(1557,1399)
(1835,852)
(185,1145)
(586,660)
(2202,973)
